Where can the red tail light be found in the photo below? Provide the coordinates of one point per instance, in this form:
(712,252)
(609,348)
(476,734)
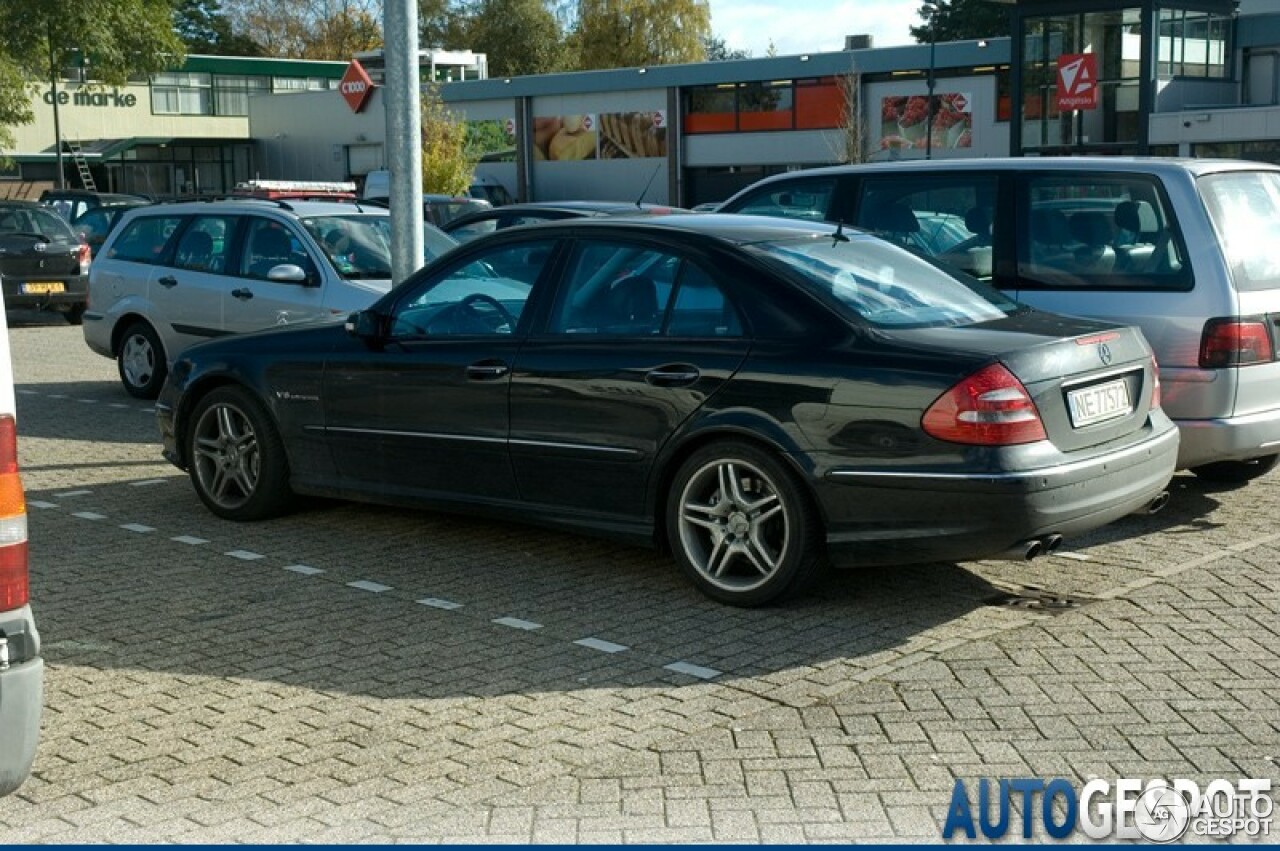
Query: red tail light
(85,255)
(989,408)
(15,589)
(1155,383)
(1235,342)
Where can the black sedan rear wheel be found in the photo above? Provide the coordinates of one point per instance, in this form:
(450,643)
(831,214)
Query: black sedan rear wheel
(236,458)
(742,527)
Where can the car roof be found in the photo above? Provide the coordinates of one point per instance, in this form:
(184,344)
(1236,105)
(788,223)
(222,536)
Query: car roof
(739,229)
(1149,165)
(15,202)
(296,208)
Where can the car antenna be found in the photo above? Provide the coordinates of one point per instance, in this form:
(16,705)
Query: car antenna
(838,236)
(645,191)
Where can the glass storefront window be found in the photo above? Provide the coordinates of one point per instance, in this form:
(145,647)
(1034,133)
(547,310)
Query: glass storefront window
(765,105)
(231,93)
(710,109)
(1193,44)
(181,93)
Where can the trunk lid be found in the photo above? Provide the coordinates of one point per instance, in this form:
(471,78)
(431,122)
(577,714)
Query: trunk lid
(29,255)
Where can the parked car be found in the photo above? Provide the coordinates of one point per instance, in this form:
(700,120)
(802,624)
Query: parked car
(95,223)
(172,274)
(43,263)
(1184,249)
(21,666)
(755,394)
(439,210)
(72,203)
(472,225)
(297,190)
(377,186)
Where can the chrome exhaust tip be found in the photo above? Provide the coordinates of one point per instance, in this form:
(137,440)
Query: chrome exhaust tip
(1022,551)
(1156,504)
(1052,543)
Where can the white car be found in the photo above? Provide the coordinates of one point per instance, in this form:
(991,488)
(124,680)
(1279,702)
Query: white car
(171,275)
(21,667)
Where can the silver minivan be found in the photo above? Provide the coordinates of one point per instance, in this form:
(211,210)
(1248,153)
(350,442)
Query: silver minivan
(171,275)
(1186,249)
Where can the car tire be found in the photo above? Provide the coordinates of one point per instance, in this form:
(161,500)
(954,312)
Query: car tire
(74,314)
(758,543)
(141,361)
(1236,472)
(236,458)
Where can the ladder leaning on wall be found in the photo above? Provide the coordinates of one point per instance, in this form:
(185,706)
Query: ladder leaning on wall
(82,165)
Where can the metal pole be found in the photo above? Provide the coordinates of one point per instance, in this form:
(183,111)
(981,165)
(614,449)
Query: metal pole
(53,93)
(404,136)
(933,48)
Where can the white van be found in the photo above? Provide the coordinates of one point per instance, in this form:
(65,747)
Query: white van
(377,187)
(21,667)
(1183,248)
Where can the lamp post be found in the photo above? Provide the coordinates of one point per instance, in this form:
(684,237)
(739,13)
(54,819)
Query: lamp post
(930,81)
(53,94)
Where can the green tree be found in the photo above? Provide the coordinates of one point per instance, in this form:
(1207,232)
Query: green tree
(309,29)
(629,33)
(441,23)
(205,28)
(446,168)
(958,20)
(716,50)
(119,38)
(518,36)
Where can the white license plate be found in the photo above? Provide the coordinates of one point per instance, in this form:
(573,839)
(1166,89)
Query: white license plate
(1101,402)
(43,287)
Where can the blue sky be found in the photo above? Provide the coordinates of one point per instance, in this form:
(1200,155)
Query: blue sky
(811,26)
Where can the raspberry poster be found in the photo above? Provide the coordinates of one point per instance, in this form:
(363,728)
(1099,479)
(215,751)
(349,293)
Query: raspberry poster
(905,122)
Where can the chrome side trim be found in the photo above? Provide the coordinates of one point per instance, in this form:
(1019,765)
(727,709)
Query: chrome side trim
(840,474)
(468,438)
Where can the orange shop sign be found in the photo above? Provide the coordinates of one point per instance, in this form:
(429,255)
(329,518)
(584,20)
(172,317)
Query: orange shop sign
(1077,81)
(356,86)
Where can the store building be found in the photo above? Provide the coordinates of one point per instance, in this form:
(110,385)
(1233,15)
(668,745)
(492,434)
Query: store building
(1186,77)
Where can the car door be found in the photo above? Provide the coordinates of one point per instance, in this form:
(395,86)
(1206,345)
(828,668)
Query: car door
(423,413)
(639,337)
(194,281)
(253,301)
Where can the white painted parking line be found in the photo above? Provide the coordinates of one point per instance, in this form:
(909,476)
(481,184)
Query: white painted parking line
(366,585)
(1071,555)
(303,569)
(72,493)
(190,539)
(57,395)
(137,527)
(693,670)
(245,555)
(40,503)
(88,401)
(145,482)
(517,623)
(437,603)
(28,393)
(117,405)
(89,515)
(601,645)
(147,410)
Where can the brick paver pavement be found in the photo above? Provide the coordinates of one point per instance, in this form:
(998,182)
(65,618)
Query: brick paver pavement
(356,673)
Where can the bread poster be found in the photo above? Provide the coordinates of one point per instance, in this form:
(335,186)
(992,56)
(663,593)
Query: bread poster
(607,136)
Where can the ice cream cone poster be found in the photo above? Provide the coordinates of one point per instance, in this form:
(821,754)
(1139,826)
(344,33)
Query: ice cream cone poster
(566,137)
(904,121)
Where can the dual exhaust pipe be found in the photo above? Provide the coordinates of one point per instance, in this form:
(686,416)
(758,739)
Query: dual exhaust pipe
(1046,544)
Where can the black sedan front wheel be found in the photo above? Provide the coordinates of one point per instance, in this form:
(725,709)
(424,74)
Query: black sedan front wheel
(742,527)
(237,460)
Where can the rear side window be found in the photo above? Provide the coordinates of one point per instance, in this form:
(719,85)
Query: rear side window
(808,199)
(950,218)
(1111,231)
(1245,209)
(143,240)
(204,244)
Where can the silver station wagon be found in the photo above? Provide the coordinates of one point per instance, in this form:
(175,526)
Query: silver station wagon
(1188,250)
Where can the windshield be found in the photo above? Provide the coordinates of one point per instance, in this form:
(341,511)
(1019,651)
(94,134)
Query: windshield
(359,246)
(1245,208)
(885,285)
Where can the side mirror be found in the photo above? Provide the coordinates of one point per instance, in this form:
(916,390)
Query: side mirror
(287,273)
(365,324)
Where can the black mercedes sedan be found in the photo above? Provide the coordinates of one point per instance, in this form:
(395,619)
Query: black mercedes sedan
(761,396)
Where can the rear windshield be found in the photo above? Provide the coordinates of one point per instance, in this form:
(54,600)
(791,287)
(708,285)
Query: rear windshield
(886,285)
(1245,209)
(35,222)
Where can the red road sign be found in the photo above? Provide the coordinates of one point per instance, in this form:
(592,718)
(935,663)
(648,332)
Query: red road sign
(1077,81)
(356,86)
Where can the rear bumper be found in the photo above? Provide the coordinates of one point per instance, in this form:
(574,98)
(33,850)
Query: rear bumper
(21,701)
(1229,438)
(876,518)
(76,294)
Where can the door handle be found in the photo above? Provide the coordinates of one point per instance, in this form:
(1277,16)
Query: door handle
(676,375)
(244,294)
(487,370)
(167,281)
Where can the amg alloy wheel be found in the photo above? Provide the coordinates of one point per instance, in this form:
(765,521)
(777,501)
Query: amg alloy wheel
(236,458)
(741,527)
